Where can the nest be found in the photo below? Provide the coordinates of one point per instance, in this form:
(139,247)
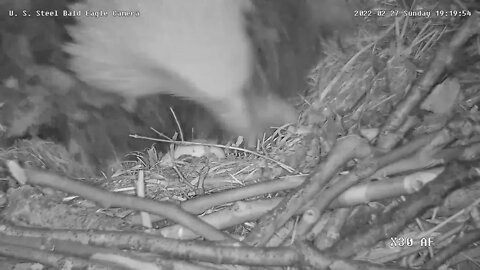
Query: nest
(380,169)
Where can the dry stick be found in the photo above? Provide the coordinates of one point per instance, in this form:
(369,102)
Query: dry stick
(140,184)
(178,124)
(200,204)
(330,230)
(320,261)
(366,168)
(465,152)
(242,211)
(51,259)
(60,248)
(108,199)
(362,170)
(442,138)
(343,151)
(443,59)
(236,214)
(392,222)
(105,255)
(168,248)
(187,250)
(420,160)
(453,248)
(254,210)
